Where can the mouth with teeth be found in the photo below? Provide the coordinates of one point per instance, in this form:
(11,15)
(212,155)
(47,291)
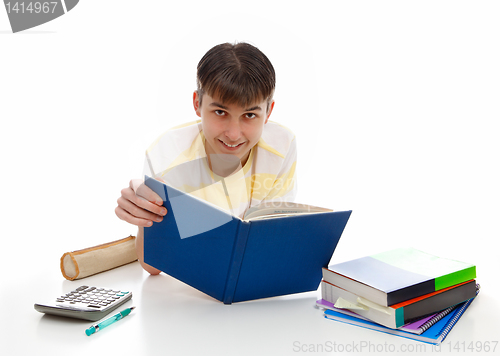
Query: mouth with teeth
(231,146)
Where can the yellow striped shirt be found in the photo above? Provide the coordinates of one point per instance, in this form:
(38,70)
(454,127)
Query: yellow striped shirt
(178,157)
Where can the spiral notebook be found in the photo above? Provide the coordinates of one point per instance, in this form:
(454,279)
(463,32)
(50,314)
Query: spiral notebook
(435,333)
(419,326)
(416,327)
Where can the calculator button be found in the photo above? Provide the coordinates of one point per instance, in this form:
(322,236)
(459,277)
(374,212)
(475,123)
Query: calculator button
(94,306)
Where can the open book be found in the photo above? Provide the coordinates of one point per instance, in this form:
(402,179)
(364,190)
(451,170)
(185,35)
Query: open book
(280,209)
(234,259)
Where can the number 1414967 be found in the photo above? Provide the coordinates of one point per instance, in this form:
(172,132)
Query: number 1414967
(31,7)
(472,346)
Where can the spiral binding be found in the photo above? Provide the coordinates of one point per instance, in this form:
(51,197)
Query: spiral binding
(444,332)
(435,319)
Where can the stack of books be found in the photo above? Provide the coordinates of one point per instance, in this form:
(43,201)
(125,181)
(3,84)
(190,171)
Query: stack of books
(405,292)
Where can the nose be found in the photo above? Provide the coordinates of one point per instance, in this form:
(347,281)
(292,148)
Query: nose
(233,130)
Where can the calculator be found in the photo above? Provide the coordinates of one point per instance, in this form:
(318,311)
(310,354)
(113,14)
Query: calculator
(85,302)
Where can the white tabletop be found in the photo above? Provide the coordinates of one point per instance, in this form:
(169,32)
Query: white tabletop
(173,318)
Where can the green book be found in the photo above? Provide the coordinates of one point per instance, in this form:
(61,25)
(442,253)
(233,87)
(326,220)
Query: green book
(398,275)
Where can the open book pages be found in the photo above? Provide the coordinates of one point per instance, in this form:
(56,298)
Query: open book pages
(270,209)
(279,209)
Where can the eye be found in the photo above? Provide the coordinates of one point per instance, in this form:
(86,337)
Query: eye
(250,115)
(220,112)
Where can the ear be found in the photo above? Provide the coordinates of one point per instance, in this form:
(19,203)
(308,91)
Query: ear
(196,103)
(271,107)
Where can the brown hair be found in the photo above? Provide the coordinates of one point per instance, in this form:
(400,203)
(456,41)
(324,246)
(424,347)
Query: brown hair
(236,73)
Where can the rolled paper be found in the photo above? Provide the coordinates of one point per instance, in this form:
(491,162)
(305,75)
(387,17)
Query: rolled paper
(100,258)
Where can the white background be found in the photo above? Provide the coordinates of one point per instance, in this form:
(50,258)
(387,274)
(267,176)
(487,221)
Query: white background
(395,105)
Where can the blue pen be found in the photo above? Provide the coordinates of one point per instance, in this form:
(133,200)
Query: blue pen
(96,327)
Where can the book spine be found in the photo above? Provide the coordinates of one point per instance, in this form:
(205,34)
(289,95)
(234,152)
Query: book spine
(236,261)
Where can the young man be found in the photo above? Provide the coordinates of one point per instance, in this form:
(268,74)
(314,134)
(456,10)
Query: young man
(233,157)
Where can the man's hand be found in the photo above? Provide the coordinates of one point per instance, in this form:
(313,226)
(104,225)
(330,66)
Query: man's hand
(139,205)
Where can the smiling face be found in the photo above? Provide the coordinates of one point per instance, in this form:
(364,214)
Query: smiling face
(230,128)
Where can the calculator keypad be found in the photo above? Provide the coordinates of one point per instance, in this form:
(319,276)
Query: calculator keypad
(92,297)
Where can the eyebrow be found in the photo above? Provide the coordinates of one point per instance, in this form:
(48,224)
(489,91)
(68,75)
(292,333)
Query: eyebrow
(216,104)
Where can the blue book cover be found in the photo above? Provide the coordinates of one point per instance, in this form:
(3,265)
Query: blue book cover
(235,260)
